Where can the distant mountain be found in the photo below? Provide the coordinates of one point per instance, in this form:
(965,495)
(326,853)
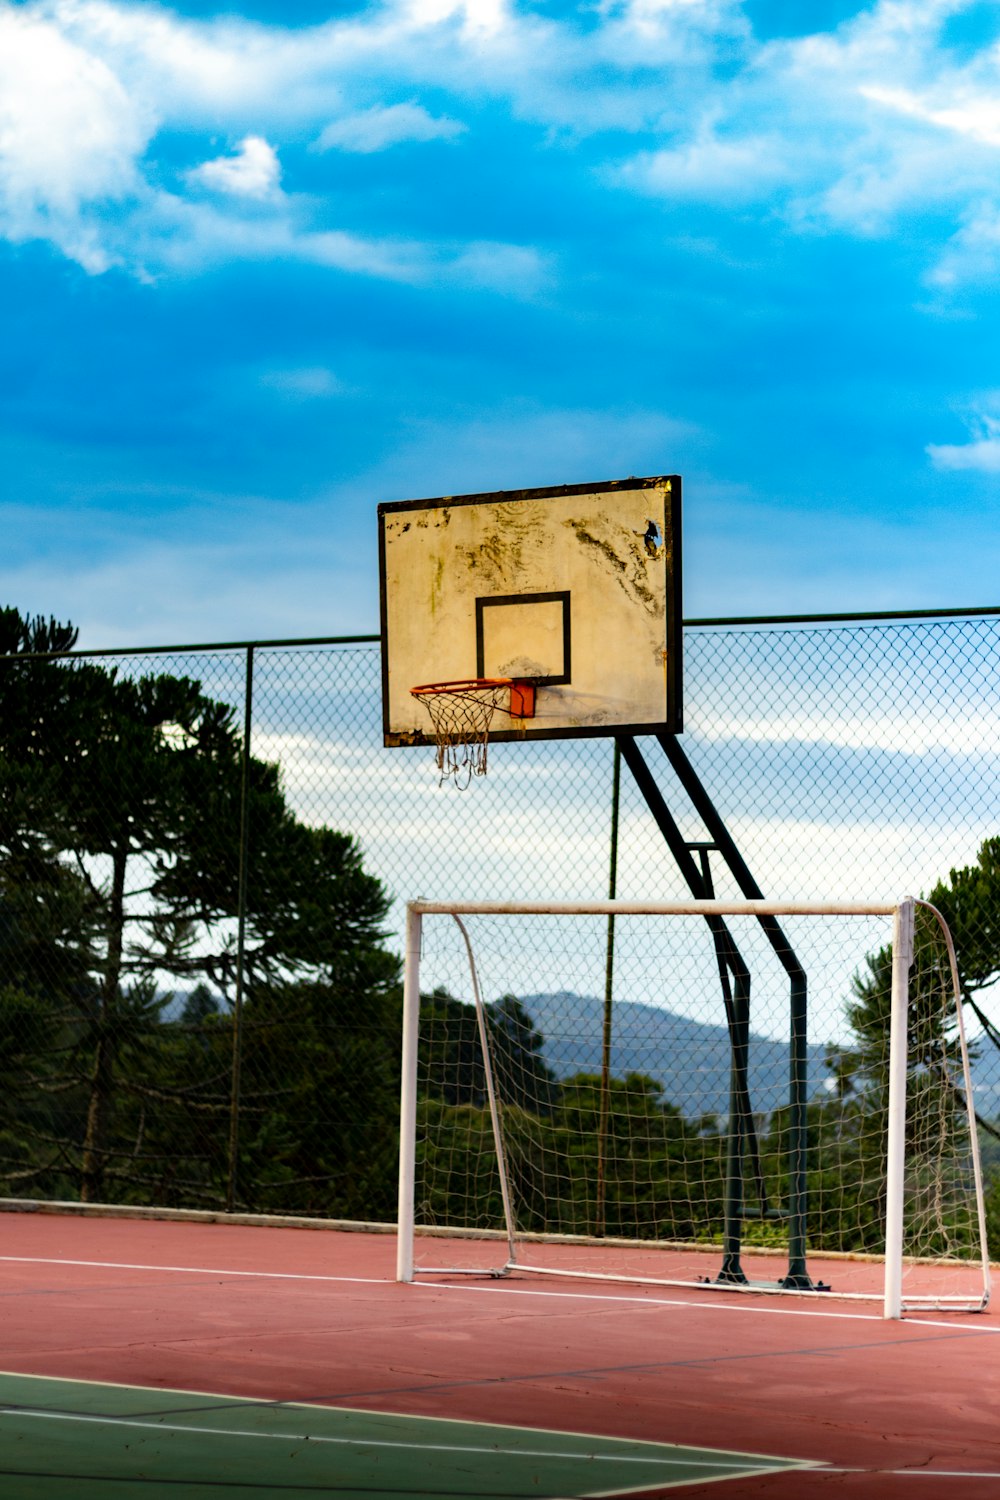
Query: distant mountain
(689,1059)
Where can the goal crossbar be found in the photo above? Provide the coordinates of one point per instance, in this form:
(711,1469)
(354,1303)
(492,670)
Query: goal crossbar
(654,908)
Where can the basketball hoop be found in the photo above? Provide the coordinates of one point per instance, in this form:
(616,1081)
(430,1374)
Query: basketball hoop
(461,714)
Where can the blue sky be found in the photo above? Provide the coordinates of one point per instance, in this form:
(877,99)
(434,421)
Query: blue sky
(263,269)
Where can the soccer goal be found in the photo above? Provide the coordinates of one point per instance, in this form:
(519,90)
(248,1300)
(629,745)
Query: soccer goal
(640,1092)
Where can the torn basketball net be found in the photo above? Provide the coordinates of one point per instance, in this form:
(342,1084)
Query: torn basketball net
(461,714)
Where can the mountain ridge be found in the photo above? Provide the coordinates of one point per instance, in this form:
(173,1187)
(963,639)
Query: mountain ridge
(689,1059)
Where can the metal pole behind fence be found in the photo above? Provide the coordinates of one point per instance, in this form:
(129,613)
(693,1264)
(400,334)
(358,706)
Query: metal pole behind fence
(609,988)
(241,916)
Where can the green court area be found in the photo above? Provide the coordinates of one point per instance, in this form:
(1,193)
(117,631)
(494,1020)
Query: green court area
(64,1437)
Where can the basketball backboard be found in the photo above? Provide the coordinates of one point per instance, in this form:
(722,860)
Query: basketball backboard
(575,589)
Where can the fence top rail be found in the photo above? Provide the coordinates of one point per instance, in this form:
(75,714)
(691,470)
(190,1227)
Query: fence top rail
(421,907)
(78,654)
(861,617)
(858,617)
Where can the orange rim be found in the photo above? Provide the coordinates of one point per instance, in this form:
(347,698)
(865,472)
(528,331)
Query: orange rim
(460,685)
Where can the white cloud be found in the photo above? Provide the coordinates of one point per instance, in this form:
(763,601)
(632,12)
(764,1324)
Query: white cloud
(972,254)
(977,118)
(172,234)
(177,235)
(70,136)
(387,125)
(237,75)
(969,734)
(855,130)
(252,172)
(310,383)
(515,269)
(893,124)
(847,130)
(710,168)
(205,73)
(982,452)
(984,455)
(85,84)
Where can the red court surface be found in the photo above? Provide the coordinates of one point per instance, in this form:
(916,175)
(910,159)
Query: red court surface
(893,1410)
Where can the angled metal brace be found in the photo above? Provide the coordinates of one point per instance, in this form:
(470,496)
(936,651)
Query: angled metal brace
(737,1002)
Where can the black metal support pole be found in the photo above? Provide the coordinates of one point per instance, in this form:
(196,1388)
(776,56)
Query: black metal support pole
(663,817)
(739,1123)
(723,839)
(737,1007)
(798,1276)
(232,1184)
(739,1076)
(798,1055)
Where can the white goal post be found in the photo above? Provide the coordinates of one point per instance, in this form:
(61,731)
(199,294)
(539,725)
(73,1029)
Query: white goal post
(626,1090)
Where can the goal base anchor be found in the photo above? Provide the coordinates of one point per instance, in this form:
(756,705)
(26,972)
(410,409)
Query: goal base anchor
(801,1281)
(732,1273)
(738,1278)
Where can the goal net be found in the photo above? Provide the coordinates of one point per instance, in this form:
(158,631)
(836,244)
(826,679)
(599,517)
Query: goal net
(740,1095)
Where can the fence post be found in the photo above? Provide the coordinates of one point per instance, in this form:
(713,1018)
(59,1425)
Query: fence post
(241,918)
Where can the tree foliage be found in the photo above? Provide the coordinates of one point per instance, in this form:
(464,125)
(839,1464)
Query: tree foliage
(121,807)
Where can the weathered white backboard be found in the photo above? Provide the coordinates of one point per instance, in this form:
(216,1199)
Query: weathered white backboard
(574,589)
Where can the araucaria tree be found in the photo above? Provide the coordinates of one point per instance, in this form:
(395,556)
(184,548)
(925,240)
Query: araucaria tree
(121,807)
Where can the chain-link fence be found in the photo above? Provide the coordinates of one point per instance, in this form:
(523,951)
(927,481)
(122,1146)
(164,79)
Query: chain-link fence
(205,852)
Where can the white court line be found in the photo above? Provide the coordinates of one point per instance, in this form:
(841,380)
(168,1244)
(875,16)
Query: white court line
(916,1473)
(674,1452)
(715,1305)
(124,1265)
